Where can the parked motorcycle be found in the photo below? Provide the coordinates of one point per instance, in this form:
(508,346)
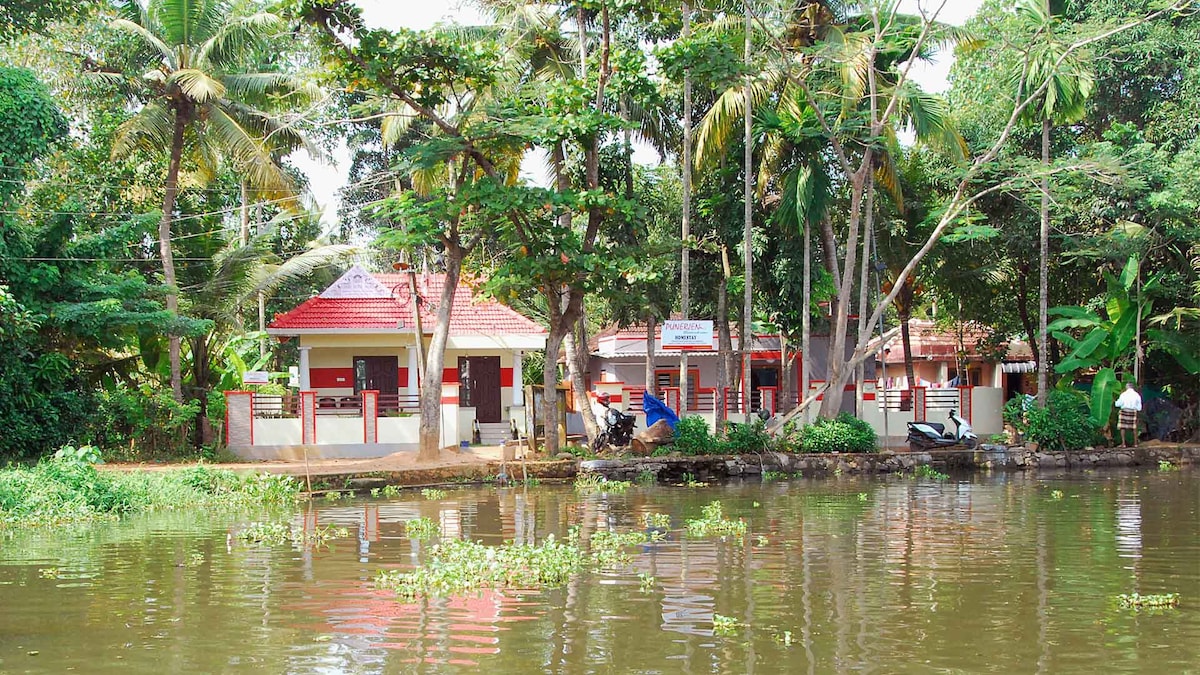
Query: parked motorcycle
(618,430)
(929,435)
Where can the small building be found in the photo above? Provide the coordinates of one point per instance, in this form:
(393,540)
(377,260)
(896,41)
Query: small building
(938,353)
(358,370)
(618,355)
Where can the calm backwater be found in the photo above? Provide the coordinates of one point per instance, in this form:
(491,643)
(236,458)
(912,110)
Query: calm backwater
(1000,573)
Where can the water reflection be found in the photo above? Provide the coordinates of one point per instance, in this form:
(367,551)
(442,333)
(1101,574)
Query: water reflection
(886,575)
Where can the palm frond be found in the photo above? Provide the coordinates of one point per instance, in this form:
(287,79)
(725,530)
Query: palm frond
(270,277)
(237,137)
(146,36)
(197,85)
(233,37)
(150,130)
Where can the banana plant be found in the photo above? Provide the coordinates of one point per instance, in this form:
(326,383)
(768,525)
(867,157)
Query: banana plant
(1105,343)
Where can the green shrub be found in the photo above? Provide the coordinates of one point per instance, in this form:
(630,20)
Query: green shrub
(1064,424)
(743,438)
(71,490)
(693,438)
(844,433)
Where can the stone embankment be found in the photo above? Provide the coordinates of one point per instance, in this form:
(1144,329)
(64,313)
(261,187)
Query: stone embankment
(988,457)
(674,469)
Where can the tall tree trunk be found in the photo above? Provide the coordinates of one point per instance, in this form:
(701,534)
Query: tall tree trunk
(243,239)
(686,229)
(650,345)
(806,320)
(554,341)
(909,373)
(747,340)
(575,342)
(724,342)
(783,405)
(864,312)
(202,381)
(839,370)
(430,433)
(164,246)
(1044,267)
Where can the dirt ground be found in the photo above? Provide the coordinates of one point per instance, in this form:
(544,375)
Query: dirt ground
(396,462)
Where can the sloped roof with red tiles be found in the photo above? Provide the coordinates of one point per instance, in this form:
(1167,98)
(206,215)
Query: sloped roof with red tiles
(372,302)
(933,343)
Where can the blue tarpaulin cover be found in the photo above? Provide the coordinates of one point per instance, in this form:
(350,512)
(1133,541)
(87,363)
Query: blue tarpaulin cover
(657,410)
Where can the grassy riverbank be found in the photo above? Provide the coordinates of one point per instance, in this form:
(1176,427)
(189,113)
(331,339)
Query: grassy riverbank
(61,491)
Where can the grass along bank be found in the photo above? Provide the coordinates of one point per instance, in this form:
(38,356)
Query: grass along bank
(71,490)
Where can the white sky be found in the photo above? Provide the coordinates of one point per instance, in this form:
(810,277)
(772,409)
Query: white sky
(325,179)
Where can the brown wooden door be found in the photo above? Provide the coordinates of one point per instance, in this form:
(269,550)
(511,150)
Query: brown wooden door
(379,373)
(479,386)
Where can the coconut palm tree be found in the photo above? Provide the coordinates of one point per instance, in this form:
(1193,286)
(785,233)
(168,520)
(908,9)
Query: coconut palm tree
(1069,84)
(193,96)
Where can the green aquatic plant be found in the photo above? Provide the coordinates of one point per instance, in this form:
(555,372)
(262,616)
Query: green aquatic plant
(1056,494)
(608,548)
(926,471)
(460,566)
(660,521)
(422,528)
(594,482)
(725,625)
(335,496)
(1167,465)
(391,491)
(1153,601)
(57,491)
(433,493)
(375,492)
(761,540)
(277,534)
(769,476)
(646,582)
(862,496)
(646,477)
(712,522)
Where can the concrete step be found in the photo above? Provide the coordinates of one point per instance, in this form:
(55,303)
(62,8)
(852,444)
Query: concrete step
(494,433)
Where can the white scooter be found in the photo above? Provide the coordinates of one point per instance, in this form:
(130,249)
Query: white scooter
(929,435)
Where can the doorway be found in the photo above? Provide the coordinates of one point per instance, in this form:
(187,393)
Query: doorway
(379,373)
(479,386)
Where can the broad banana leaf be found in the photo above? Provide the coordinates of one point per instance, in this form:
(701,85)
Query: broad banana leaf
(1104,389)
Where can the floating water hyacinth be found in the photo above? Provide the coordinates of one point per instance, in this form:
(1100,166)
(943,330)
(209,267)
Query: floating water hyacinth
(712,522)
(433,493)
(422,528)
(596,483)
(1153,601)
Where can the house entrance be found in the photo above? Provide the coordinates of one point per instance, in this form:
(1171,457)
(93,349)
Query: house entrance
(379,373)
(479,386)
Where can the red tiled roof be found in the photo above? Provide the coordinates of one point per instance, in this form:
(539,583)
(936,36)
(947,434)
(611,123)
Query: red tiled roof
(470,315)
(929,342)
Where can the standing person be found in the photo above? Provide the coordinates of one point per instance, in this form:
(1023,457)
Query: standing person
(1129,403)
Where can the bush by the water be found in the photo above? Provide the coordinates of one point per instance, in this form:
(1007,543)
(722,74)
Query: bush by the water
(844,433)
(692,437)
(66,490)
(1063,424)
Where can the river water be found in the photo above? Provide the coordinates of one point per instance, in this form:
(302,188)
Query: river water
(988,573)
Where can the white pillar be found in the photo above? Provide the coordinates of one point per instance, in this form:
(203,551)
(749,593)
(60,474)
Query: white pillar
(518,388)
(412,386)
(305,382)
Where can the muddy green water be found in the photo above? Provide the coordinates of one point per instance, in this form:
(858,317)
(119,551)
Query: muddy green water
(980,574)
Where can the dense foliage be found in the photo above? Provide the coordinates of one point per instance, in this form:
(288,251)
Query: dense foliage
(1062,424)
(844,433)
(148,207)
(69,489)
